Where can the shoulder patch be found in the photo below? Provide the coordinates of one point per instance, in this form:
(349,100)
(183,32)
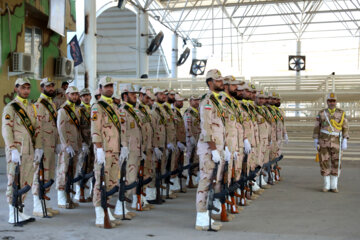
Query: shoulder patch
(7,117)
(122,114)
(207,106)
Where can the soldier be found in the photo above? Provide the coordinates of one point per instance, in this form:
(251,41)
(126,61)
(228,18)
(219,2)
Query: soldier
(117,100)
(144,103)
(159,123)
(180,140)
(232,117)
(210,146)
(131,128)
(20,130)
(49,138)
(330,136)
(60,98)
(192,128)
(86,157)
(105,133)
(68,124)
(170,136)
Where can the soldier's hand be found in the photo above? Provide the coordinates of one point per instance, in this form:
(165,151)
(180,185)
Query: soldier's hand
(286,138)
(70,151)
(85,148)
(124,154)
(158,153)
(247,146)
(58,149)
(38,155)
(344,144)
(15,156)
(170,146)
(215,156)
(100,156)
(143,155)
(181,146)
(316,143)
(227,154)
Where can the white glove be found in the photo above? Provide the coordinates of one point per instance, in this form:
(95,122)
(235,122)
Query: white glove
(158,153)
(215,156)
(170,146)
(124,154)
(247,146)
(181,146)
(227,154)
(58,149)
(70,151)
(316,143)
(236,154)
(15,156)
(344,144)
(100,156)
(143,155)
(38,154)
(192,141)
(286,138)
(85,148)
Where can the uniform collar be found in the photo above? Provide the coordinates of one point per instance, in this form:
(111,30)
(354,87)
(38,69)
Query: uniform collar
(195,110)
(332,111)
(168,104)
(86,105)
(130,105)
(23,100)
(49,99)
(109,100)
(72,105)
(159,104)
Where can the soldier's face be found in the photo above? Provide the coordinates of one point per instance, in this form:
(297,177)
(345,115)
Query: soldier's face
(240,94)
(97,97)
(218,85)
(253,96)
(49,90)
(179,104)
(73,97)
(145,99)
(160,97)
(331,104)
(171,98)
(232,90)
(86,98)
(23,90)
(247,94)
(131,98)
(260,101)
(195,103)
(277,102)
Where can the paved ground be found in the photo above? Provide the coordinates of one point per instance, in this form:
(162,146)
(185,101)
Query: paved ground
(292,209)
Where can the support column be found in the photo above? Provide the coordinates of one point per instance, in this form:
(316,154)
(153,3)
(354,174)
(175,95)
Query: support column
(142,36)
(298,76)
(90,45)
(174,56)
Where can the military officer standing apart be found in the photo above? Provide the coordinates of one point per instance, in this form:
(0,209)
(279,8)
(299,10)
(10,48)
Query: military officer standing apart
(86,157)
(210,146)
(105,133)
(68,124)
(331,133)
(48,137)
(192,128)
(20,130)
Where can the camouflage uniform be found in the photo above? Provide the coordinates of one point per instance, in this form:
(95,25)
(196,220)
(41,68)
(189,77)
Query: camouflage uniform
(16,136)
(105,132)
(192,129)
(170,132)
(241,137)
(59,100)
(249,130)
(159,124)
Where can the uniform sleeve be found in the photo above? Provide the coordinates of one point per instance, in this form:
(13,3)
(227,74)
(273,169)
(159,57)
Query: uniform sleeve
(61,122)
(38,129)
(206,109)
(345,128)
(188,121)
(7,127)
(154,121)
(39,119)
(124,121)
(317,127)
(96,124)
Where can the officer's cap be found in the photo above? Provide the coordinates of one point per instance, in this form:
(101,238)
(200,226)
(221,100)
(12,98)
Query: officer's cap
(22,81)
(72,89)
(104,81)
(84,91)
(214,74)
(46,82)
(231,80)
(158,90)
(331,96)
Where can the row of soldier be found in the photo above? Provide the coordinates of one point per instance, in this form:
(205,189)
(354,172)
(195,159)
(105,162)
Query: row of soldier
(231,121)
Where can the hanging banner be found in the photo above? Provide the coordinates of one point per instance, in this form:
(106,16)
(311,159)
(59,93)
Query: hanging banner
(57,16)
(75,51)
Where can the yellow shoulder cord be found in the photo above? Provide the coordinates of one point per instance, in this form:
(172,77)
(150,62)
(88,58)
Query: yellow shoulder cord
(34,110)
(339,125)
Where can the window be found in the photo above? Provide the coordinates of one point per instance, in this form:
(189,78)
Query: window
(33,45)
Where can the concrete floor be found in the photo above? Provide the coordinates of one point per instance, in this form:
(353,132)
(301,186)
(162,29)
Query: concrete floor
(293,209)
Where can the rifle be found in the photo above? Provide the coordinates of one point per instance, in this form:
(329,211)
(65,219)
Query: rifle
(84,178)
(140,185)
(123,188)
(180,170)
(69,187)
(43,187)
(267,167)
(211,196)
(104,197)
(277,169)
(225,193)
(168,174)
(232,193)
(158,182)
(243,177)
(191,168)
(17,197)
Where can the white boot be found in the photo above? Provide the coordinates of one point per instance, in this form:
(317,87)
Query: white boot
(255,187)
(61,199)
(196,179)
(334,183)
(11,215)
(112,218)
(175,187)
(119,210)
(217,204)
(134,201)
(87,191)
(150,193)
(99,213)
(202,222)
(264,182)
(326,187)
(38,208)
(77,192)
